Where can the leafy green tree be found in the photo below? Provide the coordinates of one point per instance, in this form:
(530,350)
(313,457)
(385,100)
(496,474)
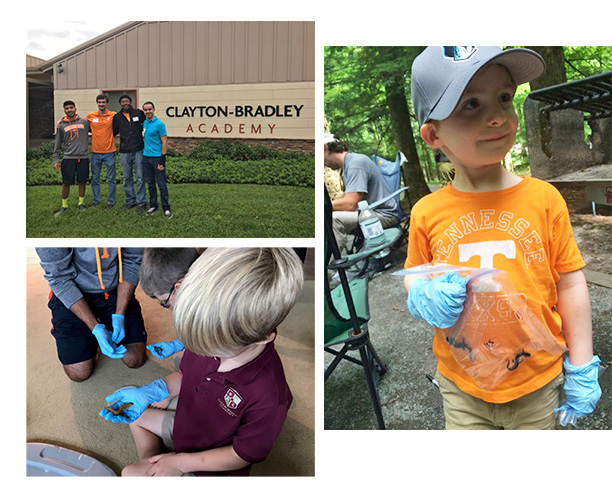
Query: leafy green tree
(367,105)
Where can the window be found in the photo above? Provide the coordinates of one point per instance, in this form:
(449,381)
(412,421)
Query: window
(114,95)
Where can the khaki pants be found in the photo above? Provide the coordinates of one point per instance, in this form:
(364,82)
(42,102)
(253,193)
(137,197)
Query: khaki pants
(533,411)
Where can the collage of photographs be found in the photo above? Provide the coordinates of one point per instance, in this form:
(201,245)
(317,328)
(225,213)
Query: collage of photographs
(250,250)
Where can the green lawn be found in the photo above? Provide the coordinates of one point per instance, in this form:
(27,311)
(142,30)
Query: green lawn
(199,211)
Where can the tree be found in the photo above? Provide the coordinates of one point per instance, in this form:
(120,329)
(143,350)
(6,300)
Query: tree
(399,113)
(365,100)
(554,74)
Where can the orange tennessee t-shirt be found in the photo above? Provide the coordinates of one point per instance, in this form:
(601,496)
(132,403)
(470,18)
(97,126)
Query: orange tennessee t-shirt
(525,231)
(102,138)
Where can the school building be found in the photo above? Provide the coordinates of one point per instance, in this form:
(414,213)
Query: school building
(248,81)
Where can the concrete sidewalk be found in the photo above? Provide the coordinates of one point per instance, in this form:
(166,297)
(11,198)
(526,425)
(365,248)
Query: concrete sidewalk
(409,400)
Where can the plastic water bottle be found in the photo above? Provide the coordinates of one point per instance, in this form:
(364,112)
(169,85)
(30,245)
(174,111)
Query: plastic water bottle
(371,228)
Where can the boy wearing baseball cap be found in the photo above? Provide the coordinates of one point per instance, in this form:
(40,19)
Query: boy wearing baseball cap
(489,217)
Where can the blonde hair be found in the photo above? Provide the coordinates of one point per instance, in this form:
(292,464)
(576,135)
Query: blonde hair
(233,297)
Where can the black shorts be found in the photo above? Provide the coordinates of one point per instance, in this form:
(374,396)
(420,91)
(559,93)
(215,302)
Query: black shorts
(75,167)
(75,342)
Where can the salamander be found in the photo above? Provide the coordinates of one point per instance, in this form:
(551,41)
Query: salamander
(120,409)
(513,365)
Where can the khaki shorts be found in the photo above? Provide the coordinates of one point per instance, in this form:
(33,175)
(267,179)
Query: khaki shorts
(532,411)
(168,424)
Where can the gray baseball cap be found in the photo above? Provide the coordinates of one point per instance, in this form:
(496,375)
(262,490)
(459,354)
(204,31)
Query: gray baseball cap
(440,75)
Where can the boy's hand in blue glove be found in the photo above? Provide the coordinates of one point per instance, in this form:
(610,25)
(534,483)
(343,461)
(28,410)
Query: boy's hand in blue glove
(140,397)
(438,301)
(107,346)
(582,391)
(162,350)
(118,328)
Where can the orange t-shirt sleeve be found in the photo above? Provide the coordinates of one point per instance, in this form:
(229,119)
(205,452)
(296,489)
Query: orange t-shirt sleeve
(564,252)
(419,250)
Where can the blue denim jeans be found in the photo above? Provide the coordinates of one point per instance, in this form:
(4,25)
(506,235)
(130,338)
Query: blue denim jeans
(154,177)
(132,164)
(97,159)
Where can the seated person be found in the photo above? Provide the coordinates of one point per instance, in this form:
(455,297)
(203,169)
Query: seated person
(362,180)
(233,394)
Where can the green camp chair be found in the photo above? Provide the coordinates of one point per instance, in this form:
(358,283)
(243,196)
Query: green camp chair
(347,310)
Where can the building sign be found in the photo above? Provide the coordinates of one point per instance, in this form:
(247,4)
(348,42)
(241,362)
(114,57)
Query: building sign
(273,112)
(250,111)
(239,110)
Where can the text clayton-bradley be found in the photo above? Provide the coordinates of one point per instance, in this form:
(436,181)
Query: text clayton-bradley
(240,111)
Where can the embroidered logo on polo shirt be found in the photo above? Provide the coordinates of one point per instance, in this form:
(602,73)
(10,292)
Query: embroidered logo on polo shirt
(232,399)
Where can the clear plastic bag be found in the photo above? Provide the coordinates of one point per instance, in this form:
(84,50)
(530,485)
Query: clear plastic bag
(496,332)
(432,270)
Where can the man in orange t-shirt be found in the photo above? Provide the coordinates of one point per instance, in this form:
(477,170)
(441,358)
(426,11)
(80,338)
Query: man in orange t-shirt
(490,218)
(103,150)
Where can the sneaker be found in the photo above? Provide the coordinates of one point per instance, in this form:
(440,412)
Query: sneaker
(151,211)
(142,208)
(129,206)
(168,214)
(109,206)
(60,211)
(81,207)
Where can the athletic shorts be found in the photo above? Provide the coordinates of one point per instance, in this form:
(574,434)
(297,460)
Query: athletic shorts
(75,168)
(533,411)
(74,340)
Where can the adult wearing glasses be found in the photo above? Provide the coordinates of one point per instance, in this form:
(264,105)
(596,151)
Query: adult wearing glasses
(161,274)
(93,306)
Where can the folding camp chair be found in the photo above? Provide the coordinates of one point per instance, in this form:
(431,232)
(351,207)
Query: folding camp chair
(347,311)
(391,171)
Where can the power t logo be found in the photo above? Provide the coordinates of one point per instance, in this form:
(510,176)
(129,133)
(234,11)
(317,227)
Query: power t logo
(232,399)
(460,52)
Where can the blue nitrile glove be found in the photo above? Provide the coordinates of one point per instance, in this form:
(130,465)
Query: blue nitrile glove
(162,350)
(118,328)
(140,397)
(582,391)
(107,346)
(438,301)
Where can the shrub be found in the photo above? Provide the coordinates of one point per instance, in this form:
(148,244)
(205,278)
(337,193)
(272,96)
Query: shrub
(226,162)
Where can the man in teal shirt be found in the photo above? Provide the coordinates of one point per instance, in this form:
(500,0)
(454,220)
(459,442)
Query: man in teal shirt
(154,159)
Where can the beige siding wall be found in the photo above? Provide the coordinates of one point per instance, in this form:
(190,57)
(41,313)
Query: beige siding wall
(290,107)
(33,61)
(188,111)
(184,53)
(84,100)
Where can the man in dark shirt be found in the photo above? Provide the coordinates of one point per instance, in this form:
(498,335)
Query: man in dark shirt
(128,124)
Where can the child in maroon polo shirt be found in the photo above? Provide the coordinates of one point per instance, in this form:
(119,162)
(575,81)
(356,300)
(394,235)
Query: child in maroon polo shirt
(233,396)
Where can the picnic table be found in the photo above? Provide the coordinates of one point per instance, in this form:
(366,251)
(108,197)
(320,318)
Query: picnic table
(592,95)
